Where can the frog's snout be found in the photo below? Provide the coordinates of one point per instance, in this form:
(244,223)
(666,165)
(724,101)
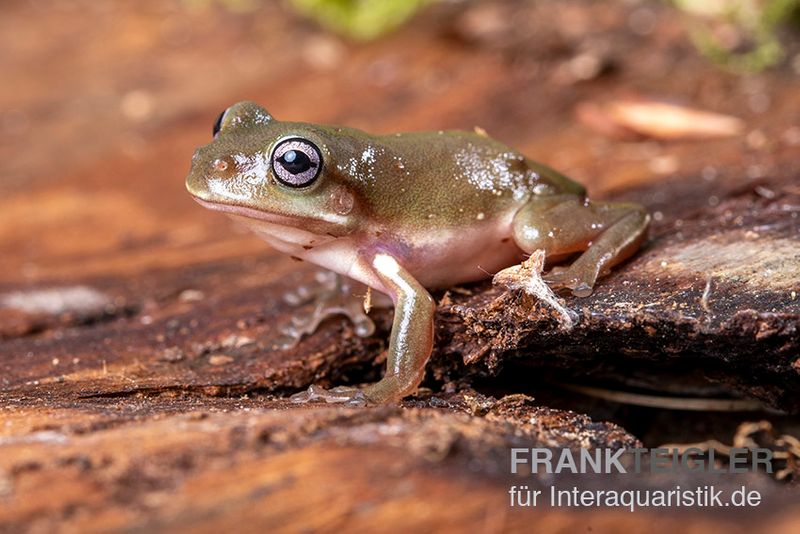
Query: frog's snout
(196,180)
(194,186)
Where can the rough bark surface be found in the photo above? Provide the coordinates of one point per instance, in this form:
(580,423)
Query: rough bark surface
(140,386)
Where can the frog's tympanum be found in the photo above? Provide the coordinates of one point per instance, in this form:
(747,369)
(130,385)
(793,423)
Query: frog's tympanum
(402,214)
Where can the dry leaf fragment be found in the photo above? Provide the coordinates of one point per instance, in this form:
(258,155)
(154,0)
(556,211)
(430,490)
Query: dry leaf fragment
(631,118)
(527,277)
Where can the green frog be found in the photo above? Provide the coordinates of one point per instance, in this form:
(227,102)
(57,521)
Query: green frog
(402,214)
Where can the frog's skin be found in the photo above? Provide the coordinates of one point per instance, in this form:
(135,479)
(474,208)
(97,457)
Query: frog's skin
(403,213)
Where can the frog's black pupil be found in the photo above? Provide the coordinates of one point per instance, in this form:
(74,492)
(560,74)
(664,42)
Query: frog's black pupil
(218,123)
(295,161)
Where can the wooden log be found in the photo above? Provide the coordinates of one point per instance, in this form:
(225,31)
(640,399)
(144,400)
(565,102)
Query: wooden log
(140,385)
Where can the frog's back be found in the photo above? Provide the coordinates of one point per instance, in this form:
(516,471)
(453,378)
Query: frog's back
(483,163)
(445,178)
(453,170)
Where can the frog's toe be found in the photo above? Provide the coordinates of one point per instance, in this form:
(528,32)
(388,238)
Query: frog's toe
(362,324)
(297,297)
(325,283)
(558,278)
(565,278)
(301,326)
(350,396)
(293,332)
(582,289)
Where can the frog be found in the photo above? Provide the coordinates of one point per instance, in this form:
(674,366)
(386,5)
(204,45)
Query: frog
(396,216)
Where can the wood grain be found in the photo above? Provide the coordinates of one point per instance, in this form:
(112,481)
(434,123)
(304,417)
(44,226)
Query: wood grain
(140,384)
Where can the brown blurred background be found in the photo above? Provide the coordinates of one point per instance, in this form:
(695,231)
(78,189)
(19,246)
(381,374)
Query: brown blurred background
(103,103)
(136,376)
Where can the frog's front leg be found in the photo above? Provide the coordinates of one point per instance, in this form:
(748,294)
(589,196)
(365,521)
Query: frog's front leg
(410,343)
(607,233)
(411,340)
(331,294)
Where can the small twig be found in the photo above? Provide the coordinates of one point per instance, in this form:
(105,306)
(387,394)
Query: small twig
(706,294)
(696,404)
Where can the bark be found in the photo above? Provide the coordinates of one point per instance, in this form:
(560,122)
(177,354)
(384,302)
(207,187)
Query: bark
(140,383)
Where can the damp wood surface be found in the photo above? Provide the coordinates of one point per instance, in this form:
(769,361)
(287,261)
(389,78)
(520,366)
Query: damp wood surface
(140,384)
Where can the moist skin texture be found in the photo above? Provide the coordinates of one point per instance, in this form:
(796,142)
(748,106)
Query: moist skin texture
(401,214)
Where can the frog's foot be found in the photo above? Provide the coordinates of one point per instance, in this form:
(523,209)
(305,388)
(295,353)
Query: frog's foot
(331,294)
(527,277)
(617,242)
(350,396)
(565,278)
(605,234)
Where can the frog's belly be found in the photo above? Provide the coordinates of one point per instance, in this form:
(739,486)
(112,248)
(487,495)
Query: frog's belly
(436,258)
(466,256)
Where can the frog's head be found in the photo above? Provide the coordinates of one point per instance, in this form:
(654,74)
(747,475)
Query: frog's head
(272,171)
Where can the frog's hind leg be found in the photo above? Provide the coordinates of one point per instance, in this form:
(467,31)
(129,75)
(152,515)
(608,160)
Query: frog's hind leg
(607,233)
(331,294)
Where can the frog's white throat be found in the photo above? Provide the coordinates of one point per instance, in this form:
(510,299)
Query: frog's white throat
(287,239)
(338,254)
(279,231)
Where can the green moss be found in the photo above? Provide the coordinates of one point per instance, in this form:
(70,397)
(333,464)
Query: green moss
(758,20)
(360,19)
(236,6)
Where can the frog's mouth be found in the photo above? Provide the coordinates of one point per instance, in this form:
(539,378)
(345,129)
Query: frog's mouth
(276,229)
(250,213)
(274,218)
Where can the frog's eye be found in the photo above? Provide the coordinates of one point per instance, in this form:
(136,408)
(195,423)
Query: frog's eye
(296,162)
(218,123)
